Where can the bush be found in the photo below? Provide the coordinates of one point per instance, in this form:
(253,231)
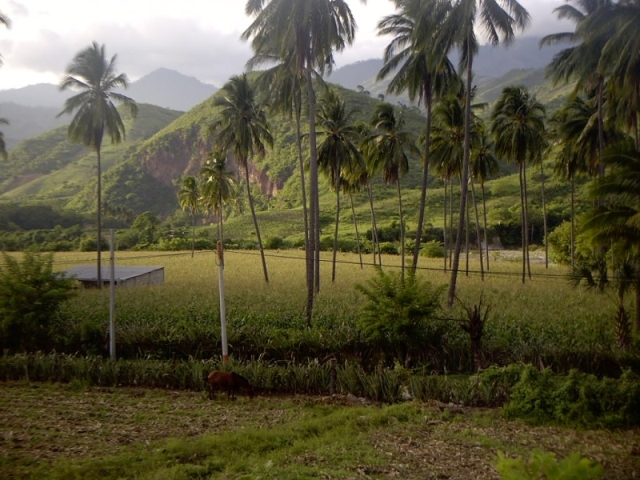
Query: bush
(30,296)
(398,318)
(388,248)
(273,243)
(432,249)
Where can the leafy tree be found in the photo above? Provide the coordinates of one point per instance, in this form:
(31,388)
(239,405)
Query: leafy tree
(496,18)
(96,114)
(518,129)
(243,130)
(146,224)
(31,294)
(189,198)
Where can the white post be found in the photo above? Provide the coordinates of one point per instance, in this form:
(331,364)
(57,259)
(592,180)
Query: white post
(223,313)
(112,298)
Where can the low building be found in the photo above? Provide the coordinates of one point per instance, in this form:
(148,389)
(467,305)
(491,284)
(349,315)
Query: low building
(124,276)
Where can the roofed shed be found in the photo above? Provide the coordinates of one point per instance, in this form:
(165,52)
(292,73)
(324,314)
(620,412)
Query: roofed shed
(87,275)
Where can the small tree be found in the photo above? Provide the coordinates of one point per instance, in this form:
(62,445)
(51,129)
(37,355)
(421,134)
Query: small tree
(399,315)
(31,294)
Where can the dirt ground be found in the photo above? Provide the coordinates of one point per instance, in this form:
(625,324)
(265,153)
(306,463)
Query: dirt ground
(41,423)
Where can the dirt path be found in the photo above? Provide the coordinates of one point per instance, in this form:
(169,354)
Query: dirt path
(44,423)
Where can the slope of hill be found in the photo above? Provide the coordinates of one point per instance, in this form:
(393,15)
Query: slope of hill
(32,110)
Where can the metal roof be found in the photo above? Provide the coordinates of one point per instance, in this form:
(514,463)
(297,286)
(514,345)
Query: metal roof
(89,273)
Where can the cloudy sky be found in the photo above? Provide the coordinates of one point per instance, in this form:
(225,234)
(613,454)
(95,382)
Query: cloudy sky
(199,38)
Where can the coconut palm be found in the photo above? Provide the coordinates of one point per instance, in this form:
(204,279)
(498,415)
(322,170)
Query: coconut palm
(484,164)
(243,130)
(391,146)
(581,62)
(311,30)
(95,77)
(189,199)
(217,187)
(518,129)
(616,222)
(496,18)
(338,154)
(417,70)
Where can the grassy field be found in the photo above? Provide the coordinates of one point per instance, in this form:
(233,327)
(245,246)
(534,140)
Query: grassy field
(71,432)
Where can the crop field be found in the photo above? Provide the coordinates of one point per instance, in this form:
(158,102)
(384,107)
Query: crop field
(72,432)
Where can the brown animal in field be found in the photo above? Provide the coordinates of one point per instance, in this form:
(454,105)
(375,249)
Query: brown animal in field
(229,381)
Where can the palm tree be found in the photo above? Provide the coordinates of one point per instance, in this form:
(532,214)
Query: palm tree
(417,70)
(189,199)
(338,153)
(217,187)
(95,77)
(484,164)
(4,20)
(310,30)
(518,129)
(391,146)
(243,130)
(581,62)
(616,222)
(3,145)
(496,17)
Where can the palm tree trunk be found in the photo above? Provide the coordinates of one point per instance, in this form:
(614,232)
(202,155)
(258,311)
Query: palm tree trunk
(484,214)
(305,212)
(425,177)
(99,239)
(402,248)
(193,233)
(465,176)
(444,229)
(638,295)
(355,224)
(255,222)
(374,227)
(450,222)
(313,201)
(335,235)
(573,223)
(478,238)
(467,228)
(544,216)
(526,216)
(523,228)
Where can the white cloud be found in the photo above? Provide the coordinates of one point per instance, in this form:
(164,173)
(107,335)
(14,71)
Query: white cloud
(195,37)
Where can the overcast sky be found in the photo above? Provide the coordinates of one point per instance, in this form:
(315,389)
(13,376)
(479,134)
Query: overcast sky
(200,38)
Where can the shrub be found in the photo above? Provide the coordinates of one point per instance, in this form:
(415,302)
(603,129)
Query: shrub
(30,296)
(398,316)
(388,248)
(545,465)
(432,249)
(273,243)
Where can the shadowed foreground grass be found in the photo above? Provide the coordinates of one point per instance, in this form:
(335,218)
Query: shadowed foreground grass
(69,431)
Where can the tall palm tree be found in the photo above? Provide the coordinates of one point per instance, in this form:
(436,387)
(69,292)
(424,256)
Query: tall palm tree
(617,221)
(581,62)
(391,146)
(497,18)
(95,77)
(4,20)
(518,129)
(189,199)
(217,187)
(418,70)
(338,153)
(243,130)
(484,164)
(311,30)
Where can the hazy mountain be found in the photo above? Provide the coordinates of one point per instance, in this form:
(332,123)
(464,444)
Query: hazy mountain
(492,62)
(32,110)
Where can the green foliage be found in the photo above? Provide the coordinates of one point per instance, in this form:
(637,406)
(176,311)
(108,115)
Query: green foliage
(398,317)
(30,296)
(545,465)
(432,249)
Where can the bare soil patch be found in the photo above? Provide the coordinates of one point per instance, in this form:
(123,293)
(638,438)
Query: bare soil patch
(42,423)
